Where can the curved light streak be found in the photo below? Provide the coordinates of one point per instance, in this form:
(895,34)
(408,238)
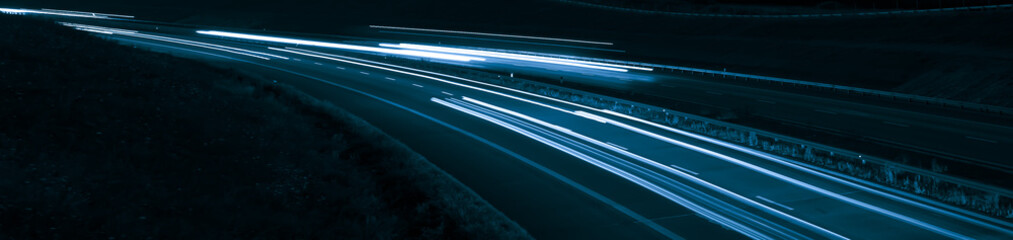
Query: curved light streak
(442,56)
(491,34)
(64,13)
(520,57)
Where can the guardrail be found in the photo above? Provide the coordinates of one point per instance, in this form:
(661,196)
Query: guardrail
(831,87)
(813,15)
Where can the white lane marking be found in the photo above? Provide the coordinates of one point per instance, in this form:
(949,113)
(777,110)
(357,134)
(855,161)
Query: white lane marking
(340,68)
(297,60)
(826,111)
(981,139)
(766,101)
(449,94)
(684,170)
(715,93)
(416,85)
(895,124)
(318,64)
(390,78)
(366,73)
(773,202)
(616,145)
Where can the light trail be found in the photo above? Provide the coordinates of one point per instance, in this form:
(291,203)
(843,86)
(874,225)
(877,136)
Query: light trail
(189,43)
(501,40)
(519,57)
(94,13)
(654,163)
(789,163)
(681,132)
(633,178)
(622,209)
(132,33)
(749,151)
(390,67)
(64,13)
(654,188)
(92,27)
(94,31)
(793,181)
(491,34)
(342,46)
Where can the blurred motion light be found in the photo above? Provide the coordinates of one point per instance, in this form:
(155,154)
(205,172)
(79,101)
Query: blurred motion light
(521,57)
(342,46)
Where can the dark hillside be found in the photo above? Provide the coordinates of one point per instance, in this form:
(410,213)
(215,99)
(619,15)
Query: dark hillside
(99,140)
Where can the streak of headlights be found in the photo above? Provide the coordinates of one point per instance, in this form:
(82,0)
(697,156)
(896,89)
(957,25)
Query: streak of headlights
(342,46)
(655,164)
(64,13)
(491,34)
(711,215)
(520,57)
(132,33)
(658,136)
(773,174)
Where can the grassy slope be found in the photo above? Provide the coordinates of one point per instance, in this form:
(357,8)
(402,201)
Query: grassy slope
(99,140)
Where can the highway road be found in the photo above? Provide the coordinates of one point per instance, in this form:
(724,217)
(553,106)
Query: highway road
(567,171)
(966,136)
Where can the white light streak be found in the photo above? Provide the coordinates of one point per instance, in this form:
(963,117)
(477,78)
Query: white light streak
(706,139)
(687,176)
(520,57)
(132,33)
(624,116)
(94,31)
(89,13)
(491,34)
(64,13)
(707,213)
(92,27)
(342,46)
(526,56)
(793,181)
